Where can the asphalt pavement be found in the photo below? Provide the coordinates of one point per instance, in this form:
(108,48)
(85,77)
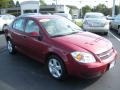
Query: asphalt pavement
(18,72)
(2,40)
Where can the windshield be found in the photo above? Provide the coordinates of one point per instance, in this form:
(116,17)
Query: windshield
(59,26)
(95,16)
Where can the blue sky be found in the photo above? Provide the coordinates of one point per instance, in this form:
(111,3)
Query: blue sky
(77,2)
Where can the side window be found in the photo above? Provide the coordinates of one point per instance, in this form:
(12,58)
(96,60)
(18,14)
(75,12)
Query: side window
(18,25)
(117,17)
(31,26)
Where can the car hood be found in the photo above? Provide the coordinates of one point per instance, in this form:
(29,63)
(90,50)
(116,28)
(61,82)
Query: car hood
(88,41)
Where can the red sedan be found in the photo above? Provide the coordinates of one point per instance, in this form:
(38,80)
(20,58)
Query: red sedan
(64,47)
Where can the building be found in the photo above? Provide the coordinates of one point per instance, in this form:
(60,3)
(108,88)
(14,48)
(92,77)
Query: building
(30,7)
(34,7)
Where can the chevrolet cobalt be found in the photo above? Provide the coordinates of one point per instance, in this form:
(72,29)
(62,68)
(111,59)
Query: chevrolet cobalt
(60,44)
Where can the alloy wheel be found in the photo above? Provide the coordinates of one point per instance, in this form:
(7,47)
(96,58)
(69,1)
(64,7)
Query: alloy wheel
(55,68)
(9,46)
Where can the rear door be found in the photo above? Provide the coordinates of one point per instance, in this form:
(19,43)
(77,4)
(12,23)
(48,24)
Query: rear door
(18,33)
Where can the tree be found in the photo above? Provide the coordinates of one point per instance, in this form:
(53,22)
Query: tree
(103,9)
(11,3)
(86,9)
(42,2)
(17,4)
(6,3)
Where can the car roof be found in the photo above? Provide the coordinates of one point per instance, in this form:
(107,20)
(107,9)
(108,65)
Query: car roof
(29,14)
(92,13)
(39,16)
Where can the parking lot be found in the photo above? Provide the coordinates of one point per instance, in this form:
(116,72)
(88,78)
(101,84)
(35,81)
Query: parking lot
(18,72)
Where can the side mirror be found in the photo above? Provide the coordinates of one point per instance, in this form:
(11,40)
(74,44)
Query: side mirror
(35,35)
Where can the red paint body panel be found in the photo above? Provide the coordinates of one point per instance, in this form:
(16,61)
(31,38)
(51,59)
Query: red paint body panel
(63,46)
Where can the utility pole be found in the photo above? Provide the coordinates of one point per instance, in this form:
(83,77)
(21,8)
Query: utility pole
(113,9)
(106,3)
(56,2)
(81,14)
(94,9)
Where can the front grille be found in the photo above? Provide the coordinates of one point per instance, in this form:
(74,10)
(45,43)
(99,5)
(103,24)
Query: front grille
(105,54)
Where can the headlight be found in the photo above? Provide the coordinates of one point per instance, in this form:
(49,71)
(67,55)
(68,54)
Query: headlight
(83,57)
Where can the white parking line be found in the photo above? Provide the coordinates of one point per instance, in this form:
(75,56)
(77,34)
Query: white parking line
(115,36)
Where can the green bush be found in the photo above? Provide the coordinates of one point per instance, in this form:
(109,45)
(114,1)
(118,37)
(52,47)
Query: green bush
(78,22)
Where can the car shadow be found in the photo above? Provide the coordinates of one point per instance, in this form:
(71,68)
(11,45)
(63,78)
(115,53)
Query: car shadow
(23,72)
(1,32)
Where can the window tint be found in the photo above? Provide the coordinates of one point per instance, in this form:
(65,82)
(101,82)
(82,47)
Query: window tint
(117,17)
(18,24)
(31,26)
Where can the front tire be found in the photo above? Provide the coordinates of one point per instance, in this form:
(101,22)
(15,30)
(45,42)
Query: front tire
(10,47)
(56,67)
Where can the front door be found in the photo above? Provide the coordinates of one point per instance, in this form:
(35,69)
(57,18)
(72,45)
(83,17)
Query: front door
(33,45)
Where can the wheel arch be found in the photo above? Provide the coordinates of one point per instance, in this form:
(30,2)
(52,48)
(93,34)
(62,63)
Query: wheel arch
(61,60)
(52,53)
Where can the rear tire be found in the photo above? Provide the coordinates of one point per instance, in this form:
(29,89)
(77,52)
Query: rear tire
(10,47)
(119,30)
(56,67)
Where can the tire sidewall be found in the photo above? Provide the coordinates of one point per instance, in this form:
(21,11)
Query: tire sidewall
(63,75)
(13,47)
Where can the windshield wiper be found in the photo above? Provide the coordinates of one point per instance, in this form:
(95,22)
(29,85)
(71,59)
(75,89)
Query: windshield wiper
(64,34)
(59,35)
(72,33)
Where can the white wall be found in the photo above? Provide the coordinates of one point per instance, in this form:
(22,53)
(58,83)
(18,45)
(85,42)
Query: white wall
(29,5)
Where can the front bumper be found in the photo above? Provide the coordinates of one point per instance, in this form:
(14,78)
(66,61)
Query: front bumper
(90,70)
